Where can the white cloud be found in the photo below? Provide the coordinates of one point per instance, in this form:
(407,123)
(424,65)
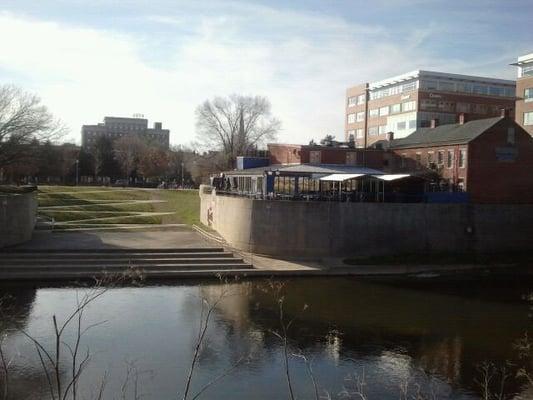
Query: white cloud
(302,61)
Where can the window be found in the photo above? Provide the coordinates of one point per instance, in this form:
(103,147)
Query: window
(382,129)
(446,106)
(528,118)
(440,157)
(464,87)
(400,126)
(361,99)
(403,160)
(462,158)
(430,158)
(527,70)
(395,108)
(314,157)
(351,118)
(407,87)
(510,135)
(480,89)
(384,111)
(409,106)
(430,85)
(479,108)
(412,124)
(449,159)
(528,95)
(360,116)
(447,86)
(351,158)
(373,112)
(428,103)
(373,130)
(352,101)
(351,134)
(359,133)
(496,91)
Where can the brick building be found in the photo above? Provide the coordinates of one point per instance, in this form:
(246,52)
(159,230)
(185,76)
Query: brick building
(524,92)
(117,127)
(491,158)
(287,154)
(410,101)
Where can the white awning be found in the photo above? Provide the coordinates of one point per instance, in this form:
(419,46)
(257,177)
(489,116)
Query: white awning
(340,177)
(391,177)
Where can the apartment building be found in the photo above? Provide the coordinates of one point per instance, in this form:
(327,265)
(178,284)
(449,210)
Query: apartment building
(117,127)
(524,92)
(404,103)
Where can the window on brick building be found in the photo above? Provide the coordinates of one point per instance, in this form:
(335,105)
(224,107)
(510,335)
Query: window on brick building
(400,125)
(373,112)
(361,99)
(396,108)
(359,133)
(352,101)
(351,118)
(384,111)
(528,95)
(382,129)
(449,159)
(528,118)
(373,130)
(462,158)
(360,116)
(430,158)
(412,124)
(463,107)
(440,157)
(409,106)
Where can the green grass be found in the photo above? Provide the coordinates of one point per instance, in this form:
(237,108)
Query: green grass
(183,204)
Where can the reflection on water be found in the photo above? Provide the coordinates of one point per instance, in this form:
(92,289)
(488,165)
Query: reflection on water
(433,333)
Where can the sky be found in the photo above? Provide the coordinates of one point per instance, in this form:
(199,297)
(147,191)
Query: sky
(88,59)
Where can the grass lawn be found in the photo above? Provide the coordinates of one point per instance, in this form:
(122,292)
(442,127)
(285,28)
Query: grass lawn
(88,204)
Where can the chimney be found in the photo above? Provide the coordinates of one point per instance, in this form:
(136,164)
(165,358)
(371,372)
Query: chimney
(462,118)
(504,113)
(390,136)
(434,123)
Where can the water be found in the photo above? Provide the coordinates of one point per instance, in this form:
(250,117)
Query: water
(431,332)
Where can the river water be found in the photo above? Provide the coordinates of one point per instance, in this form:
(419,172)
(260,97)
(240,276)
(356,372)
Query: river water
(356,335)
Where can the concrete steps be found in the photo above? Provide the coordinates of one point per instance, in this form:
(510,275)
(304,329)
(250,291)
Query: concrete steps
(39,264)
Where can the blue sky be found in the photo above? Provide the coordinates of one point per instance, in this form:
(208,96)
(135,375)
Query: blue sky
(88,59)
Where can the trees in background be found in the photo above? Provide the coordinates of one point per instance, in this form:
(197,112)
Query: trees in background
(235,125)
(23,119)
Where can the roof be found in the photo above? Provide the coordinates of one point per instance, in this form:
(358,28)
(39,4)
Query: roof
(445,134)
(340,177)
(307,169)
(428,74)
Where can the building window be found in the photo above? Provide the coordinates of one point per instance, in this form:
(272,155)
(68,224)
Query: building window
(407,87)
(528,118)
(382,129)
(352,101)
(374,112)
(440,157)
(384,111)
(430,158)
(350,134)
(403,160)
(395,108)
(480,89)
(351,118)
(360,116)
(496,91)
(400,125)
(314,157)
(447,86)
(462,158)
(428,103)
(359,133)
(463,87)
(510,136)
(373,130)
(351,158)
(430,85)
(361,99)
(409,106)
(449,159)
(412,124)
(528,95)
(418,159)
(479,108)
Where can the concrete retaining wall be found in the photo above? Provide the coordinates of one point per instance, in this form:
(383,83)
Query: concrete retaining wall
(311,229)
(18,215)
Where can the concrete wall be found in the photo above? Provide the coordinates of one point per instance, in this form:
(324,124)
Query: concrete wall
(18,215)
(321,229)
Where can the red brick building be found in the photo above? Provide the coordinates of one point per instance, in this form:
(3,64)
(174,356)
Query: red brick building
(404,103)
(491,159)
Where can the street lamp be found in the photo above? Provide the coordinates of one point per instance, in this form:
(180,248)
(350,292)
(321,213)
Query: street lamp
(77,171)
(182,166)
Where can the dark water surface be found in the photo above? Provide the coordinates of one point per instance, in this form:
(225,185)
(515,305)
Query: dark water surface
(433,333)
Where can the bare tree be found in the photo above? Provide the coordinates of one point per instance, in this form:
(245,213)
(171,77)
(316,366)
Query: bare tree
(235,124)
(128,152)
(22,120)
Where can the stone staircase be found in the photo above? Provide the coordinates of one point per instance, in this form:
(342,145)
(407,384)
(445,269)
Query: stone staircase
(46,264)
